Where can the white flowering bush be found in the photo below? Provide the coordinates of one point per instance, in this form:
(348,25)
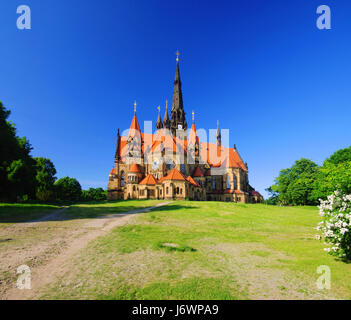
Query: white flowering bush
(336,224)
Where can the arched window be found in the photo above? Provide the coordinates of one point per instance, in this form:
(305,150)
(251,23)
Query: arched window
(181,191)
(122,179)
(214,183)
(133,188)
(228,182)
(235,183)
(177,190)
(167,190)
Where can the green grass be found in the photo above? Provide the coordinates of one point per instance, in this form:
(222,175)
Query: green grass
(218,251)
(98,209)
(14,213)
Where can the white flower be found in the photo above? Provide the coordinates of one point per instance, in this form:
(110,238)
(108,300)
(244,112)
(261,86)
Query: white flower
(343,231)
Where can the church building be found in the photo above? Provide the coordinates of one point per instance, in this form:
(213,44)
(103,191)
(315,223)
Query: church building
(173,164)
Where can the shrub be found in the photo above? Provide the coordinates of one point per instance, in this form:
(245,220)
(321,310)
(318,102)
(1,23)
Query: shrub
(68,190)
(336,224)
(92,194)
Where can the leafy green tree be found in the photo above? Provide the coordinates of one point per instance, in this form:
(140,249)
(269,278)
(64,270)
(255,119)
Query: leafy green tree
(17,172)
(340,156)
(68,189)
(294,185)
(45,179)
(94,194)
(273,197)
(332,177)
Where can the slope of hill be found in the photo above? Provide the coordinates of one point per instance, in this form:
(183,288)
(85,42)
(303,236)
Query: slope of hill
(206,250)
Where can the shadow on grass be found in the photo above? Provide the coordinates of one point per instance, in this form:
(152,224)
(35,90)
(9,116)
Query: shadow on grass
(92,210)
(17,213)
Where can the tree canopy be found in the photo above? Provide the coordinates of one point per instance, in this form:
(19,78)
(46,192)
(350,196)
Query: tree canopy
(68,189)
(305,182)
(17,167)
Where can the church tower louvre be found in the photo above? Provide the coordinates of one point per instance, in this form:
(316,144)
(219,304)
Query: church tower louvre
(178,120)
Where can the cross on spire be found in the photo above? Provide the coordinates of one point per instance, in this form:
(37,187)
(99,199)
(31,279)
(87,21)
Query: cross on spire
(193,113)
(178,54)
(135,106)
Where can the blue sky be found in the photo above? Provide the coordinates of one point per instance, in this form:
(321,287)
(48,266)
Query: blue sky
(262,68)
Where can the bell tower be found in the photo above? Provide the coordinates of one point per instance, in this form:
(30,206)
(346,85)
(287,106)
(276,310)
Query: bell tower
(178,120)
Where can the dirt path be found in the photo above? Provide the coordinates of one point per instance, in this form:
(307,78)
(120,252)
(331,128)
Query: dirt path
(47,271)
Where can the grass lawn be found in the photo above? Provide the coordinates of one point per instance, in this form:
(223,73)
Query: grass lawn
(98,209)
(205,250)
(14,213)
(36,244)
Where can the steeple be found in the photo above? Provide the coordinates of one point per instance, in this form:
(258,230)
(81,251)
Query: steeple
(219,137)
(166,121)
(135,124)
(134,137)
(193,141)
(193,137)
(177,114)
(117,145)
(159,124)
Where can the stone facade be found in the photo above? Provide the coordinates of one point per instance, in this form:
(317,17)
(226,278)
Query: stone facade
(173,164)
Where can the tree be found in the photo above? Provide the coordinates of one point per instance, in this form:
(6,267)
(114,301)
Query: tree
(92,194)
(294,185)
(17,172)
(340,156)
(332,177)
(273,197)
(45,179)
(68,189)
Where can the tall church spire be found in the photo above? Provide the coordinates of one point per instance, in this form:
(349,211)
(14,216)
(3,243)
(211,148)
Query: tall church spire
(134,127)
(118,146)
(159,124)
(177,114)
(166,121)
(219,136)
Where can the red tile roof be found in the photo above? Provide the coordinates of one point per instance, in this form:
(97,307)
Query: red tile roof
(255,193)
(135,124)
(198,172)
(193,137)
(192,181)
(161,179)
(149,180)
(175,175)
(210,152)
(113,171)
(134,168)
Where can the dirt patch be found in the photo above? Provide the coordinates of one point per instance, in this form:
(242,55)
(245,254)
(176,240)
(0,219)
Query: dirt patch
(47,246)
(260,270)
